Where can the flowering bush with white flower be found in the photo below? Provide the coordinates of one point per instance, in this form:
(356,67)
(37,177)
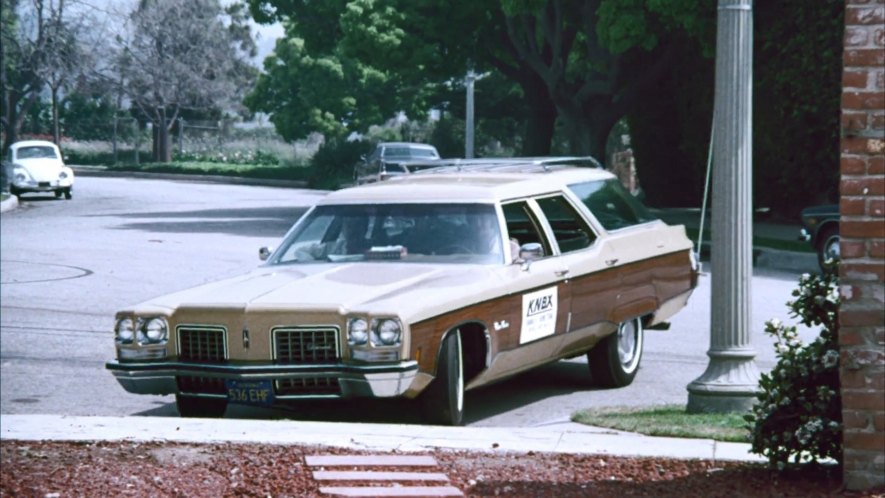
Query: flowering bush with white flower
(798,415)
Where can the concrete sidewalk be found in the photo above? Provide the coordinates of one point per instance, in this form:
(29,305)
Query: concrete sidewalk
(567,437)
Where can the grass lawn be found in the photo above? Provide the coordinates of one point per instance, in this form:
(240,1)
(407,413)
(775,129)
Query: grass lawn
(669,421)
(220,169)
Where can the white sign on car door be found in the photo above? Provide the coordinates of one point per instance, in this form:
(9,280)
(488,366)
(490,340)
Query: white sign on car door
(538,315)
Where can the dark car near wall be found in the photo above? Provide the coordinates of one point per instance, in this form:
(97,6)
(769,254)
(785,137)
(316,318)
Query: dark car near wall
(821,229)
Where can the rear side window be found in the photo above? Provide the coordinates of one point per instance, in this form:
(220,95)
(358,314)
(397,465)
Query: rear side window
(612,205)
(570,230)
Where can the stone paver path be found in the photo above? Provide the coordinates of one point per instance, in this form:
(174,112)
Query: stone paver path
(358,476)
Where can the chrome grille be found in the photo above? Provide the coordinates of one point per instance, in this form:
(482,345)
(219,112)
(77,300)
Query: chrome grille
(306,345)
(317,385)
(201,343)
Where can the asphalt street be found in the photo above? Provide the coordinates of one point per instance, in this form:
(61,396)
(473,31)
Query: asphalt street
(548,436)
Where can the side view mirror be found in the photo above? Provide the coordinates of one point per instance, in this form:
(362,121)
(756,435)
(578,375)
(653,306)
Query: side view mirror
(264,253)
(528,253)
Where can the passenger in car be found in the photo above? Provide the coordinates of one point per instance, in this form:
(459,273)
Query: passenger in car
(488,238)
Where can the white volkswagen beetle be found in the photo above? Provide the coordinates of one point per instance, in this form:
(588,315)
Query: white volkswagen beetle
(38,166)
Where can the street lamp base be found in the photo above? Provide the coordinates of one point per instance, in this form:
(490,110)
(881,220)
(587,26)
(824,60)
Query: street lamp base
(720,403)
(730,384)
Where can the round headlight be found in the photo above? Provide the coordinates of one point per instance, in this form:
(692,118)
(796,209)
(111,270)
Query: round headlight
(63,175)
(125,330)
(156,330)
(357,332)
(387,333)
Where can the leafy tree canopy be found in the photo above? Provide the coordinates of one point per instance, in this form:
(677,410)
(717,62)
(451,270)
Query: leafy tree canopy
(550,48)
(186,55)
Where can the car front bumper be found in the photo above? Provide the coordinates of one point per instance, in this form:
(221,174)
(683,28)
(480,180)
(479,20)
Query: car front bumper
(50,186)
(364,380)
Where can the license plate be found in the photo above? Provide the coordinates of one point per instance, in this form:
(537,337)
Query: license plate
(249,392)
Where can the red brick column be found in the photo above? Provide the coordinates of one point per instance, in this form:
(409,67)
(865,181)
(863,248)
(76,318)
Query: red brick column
(862,229)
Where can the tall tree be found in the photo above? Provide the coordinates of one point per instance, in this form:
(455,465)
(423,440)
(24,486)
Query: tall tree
(568,56)
(185,55)
(45,43)
(26,45)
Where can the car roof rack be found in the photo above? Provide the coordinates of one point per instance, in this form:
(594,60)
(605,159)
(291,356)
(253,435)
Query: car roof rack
(503,164)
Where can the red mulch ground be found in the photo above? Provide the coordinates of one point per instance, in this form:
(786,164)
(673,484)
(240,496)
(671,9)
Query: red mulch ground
(60,469)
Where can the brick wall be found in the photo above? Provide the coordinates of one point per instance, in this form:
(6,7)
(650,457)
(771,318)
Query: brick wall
(862,229)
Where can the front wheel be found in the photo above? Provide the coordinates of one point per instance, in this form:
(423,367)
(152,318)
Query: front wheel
(68,194)
(615,360)
(828,254)
(196,407)
(443,400)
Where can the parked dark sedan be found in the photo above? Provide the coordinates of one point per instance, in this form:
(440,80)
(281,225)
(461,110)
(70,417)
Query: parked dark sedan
(821,228)
(392,159)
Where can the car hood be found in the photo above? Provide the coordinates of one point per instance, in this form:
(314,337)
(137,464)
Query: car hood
(406,289)
(41,169)
(823,210)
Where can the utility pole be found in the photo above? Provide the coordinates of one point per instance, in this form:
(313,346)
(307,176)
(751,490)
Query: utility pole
(731,380)
(468,138)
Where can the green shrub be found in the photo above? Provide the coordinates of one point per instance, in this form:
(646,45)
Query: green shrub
(332,165)
(230,157)
(799,411)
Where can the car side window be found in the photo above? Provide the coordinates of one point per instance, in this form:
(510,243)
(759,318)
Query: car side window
(571,231)
(523,226)
(611,204)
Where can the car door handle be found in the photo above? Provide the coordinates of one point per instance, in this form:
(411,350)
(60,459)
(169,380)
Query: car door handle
(611,262)
(562,272)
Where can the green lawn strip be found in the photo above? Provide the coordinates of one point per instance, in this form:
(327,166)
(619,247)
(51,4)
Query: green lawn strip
(668,421)
(262,171)
(780,244)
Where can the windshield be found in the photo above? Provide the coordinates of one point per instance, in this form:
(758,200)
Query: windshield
(436,233)
(413,152)
(36,152)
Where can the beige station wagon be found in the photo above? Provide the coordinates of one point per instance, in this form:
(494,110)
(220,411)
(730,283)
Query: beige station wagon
(422,286)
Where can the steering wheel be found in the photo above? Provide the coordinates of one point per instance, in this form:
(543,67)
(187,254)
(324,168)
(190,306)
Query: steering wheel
(454,249)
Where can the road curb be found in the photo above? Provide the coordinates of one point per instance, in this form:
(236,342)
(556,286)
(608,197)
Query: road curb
(9,204)
(235,180)
(364,436)
(786,260)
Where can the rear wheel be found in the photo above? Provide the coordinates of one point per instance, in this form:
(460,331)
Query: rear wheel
(443,400)
(193,406)
(615,360)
